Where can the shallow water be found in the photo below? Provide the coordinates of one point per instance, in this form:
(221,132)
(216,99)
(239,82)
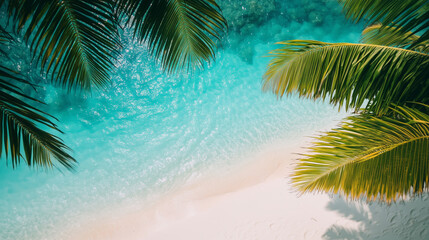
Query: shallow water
(149,133)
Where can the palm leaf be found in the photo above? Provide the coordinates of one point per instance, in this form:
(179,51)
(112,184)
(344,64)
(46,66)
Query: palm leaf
(408,15)
(76,40)
(20,137)
(179,32)
(353,75)
(374,157)
(387,36)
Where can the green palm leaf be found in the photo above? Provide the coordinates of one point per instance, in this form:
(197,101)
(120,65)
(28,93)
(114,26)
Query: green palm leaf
(179,32)
(387,36)
(75,40)
(20,137)
(374,157)
(353,75)
(409,15)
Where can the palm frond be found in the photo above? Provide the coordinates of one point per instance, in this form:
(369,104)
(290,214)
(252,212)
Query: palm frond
(20,137)
(388,36)
(408,15)
(179,32)
(76,40)
(353,75)
(378,158)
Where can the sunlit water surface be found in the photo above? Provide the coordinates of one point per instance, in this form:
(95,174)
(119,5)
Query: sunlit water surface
(150,133)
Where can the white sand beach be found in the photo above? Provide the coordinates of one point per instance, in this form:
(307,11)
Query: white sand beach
(257,202)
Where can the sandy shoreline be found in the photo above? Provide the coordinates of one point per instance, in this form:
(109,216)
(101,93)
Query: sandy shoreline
(255,202)
(258,204)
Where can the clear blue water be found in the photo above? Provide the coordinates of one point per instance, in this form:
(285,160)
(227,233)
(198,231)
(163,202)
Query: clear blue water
(149,133)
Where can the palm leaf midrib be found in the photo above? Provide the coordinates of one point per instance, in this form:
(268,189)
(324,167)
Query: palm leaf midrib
(288,72)
(81,46)
(31,133)
(353,160)
(336,45)
(324,46)
(184,23)
(366,155)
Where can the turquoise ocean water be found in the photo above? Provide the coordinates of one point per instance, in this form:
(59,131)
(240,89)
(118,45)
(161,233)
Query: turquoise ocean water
(149,133)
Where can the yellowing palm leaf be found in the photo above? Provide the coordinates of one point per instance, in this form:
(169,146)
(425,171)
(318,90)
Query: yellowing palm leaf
(387,36)
(352,75)
(374,157)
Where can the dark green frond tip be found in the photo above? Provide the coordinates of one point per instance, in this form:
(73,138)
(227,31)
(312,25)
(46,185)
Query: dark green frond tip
(181,33)
(20,137)
(377,158)
(350,75)
(75,40)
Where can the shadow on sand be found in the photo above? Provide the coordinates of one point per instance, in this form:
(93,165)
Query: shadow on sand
(398,221)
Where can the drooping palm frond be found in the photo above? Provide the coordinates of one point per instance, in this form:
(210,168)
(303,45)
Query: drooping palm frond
(179,32)
(75,40)
(387,36)
(20,137)
(377,158)
(408,15)
(349,74)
